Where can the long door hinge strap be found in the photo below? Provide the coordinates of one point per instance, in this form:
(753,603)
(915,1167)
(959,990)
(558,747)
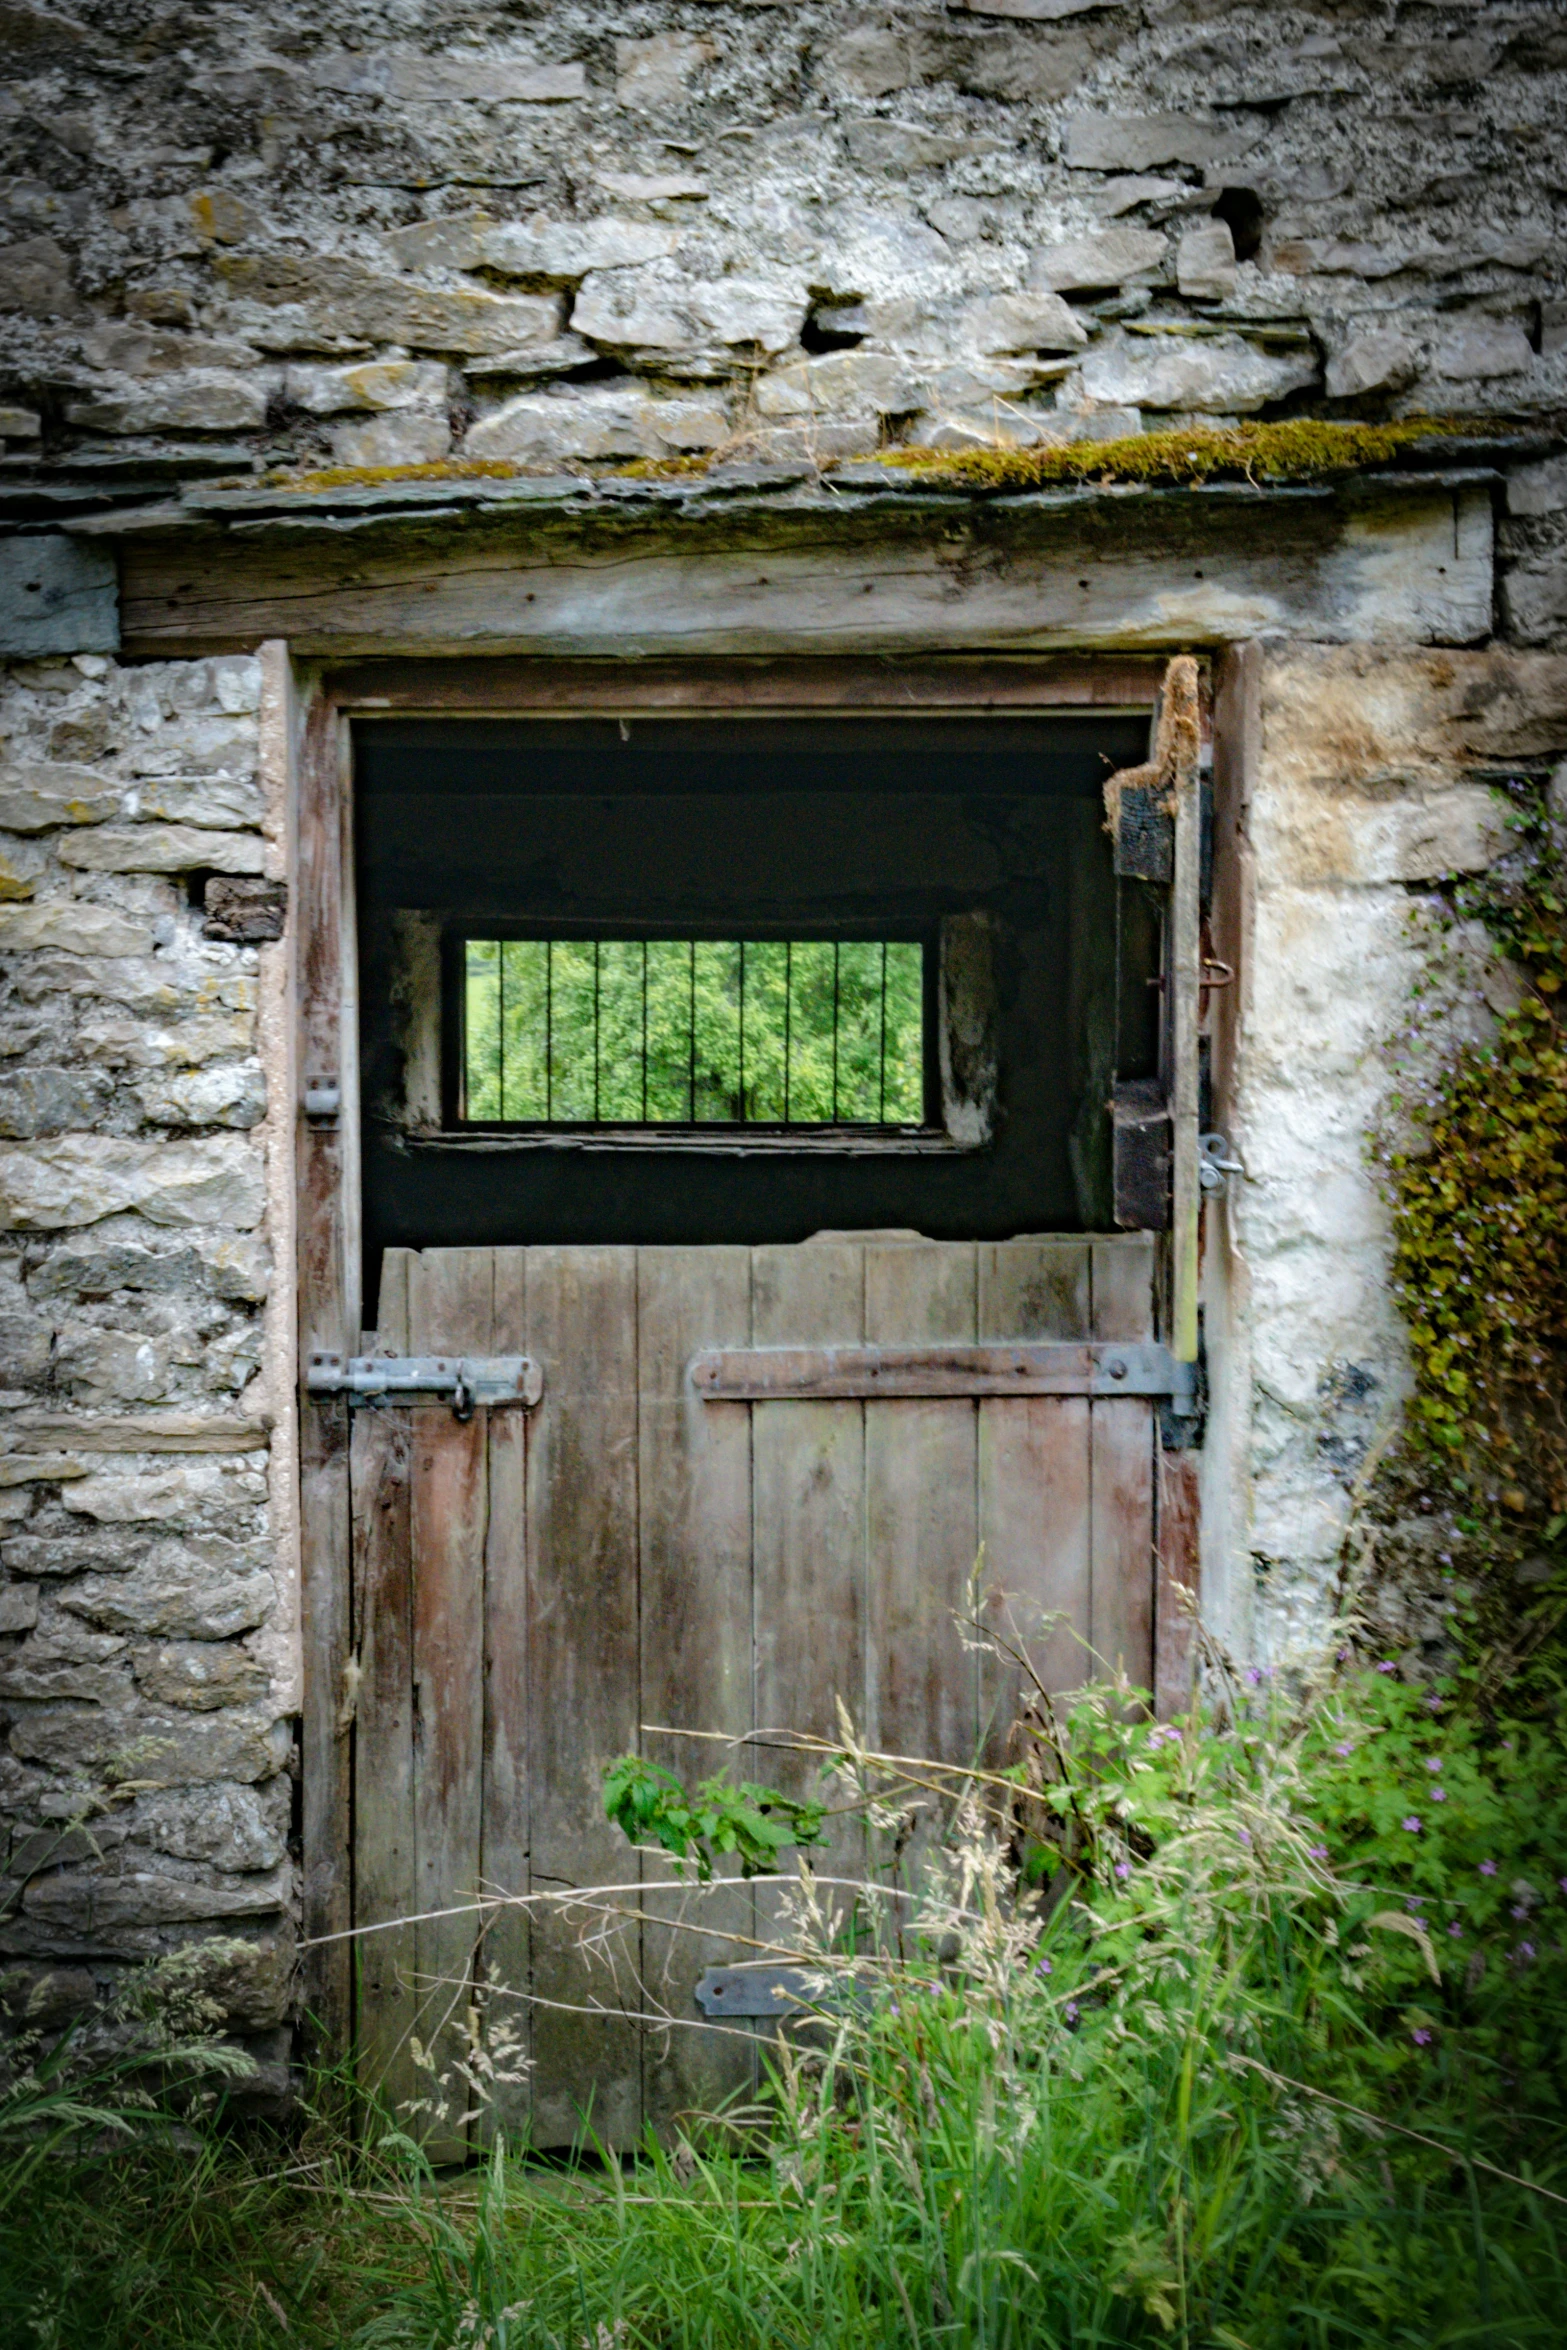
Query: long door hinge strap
(464,1381)
(829,1373)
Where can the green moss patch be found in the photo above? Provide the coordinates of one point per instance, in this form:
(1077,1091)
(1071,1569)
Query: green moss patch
(357,477)
(1301,450)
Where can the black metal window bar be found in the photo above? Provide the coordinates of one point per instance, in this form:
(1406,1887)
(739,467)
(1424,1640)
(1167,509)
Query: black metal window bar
(694,1032)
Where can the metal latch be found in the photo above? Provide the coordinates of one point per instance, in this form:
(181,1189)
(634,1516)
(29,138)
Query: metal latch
(1215,1165)
(467,1380)
(323,1100)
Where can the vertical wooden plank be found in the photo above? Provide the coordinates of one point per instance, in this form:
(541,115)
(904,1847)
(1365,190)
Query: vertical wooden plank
(506,1957)
(1179,1579)
(1122,1573)
(808,1530)
(1033,1486)
(694,1497)
(920,1514)
(450,1307)
(384,1834)
(328,1318)
(583,1696)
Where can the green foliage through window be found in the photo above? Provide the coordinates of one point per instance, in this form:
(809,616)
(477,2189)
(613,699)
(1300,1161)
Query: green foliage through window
(693,1032)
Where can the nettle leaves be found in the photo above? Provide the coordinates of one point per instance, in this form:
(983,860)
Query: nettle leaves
(714,1820)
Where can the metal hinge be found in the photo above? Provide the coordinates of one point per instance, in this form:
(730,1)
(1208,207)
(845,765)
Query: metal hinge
(464,1380)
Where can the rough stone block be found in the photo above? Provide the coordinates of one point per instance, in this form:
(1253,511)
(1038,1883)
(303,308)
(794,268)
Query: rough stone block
(839,384)
(1032,11)
(231,1096)
(21,864)
(655,312)
(906,146)
(342,299)
(209,400)
(408,436)
(20,424)
(1023,322)
(1213,374)
(564,252)
(1139,142)
(200,1674)
(1019,68)
(245,912)
(151,1744)
(83,929)
(50,1101)
(128,1043)
(162,1497)
(35,279)
(378,384)
(159,848)
(39,1468)
(101,1366)
(37,1672)
(78,1180)
(141,350)
(1113,258)
(1474,350)
(92,1902)
(1534,597)
(18,1607)
(652,75)
(37,794)
(1379,360)
(1205,262)
(201,1588)
(424,80)
(608,420)
(1538,489)
(57,595)
(233,1827)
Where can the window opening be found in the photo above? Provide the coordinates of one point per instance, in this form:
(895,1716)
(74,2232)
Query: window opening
(793,1032)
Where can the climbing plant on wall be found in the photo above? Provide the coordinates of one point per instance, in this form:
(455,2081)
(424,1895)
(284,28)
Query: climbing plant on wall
(1478,1181)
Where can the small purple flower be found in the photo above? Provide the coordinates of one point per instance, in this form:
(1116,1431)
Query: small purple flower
(1433,1705)
(1244,1834)
(1411,1823)
(1524,1953)
(1344,1747)
(1123,1868)
(1044,1967)
(1414,1901)
(1488,1868)
(1455,1929)
(1520,1909)
(1562,1881)
(1254,1675)
(1421,2037)
(1387,1665)
(1433,1762)
(1318,1852)
(1438,1794)
(1070,2011)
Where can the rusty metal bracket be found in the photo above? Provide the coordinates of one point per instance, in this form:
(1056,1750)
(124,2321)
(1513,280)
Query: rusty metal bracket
(463,1381)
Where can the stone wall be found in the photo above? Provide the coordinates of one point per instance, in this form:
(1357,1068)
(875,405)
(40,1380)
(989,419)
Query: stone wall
(148,1669)
(1363,783)
(571,234)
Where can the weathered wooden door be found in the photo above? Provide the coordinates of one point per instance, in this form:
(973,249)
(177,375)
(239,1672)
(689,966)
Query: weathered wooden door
(538,1591)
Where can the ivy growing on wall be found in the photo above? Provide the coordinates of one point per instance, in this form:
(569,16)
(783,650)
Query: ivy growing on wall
(1478,1183)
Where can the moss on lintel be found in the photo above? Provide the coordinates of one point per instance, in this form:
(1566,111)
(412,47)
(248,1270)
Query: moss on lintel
(358,477)
(1303,448)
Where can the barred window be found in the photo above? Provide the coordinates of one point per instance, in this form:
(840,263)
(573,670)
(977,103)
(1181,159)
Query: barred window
(775,1032)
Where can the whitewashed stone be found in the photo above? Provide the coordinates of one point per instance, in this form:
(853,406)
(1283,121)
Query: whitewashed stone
(840,384)
(566,251)
(45,1186)
(1205,262)
(656,312)
(600,421)
(211,400)
(1538,489)
(1475,349)
(1023,322)
(199,1588)
(159,848)
(37,794)
(409,436)
(640,187)
(652,75)
(1211,374)
(68,923)
(1113,258)
(1378,360)
(378,384)
(906,146)
(1339,838)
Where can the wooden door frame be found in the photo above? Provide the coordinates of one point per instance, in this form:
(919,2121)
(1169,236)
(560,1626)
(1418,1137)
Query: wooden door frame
(328,1250)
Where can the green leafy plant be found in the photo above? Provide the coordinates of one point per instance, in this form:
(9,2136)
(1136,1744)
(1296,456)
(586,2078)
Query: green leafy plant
(715,1819)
